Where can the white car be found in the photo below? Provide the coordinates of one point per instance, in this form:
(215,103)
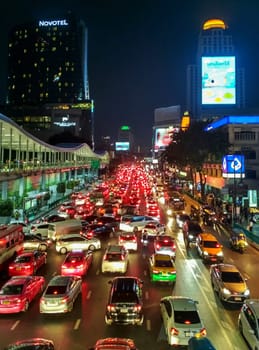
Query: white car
(181,319)
(135,223)
(129,240)
(60,294)
(115,259)
(248,322)
(76,242)
(153,229)
(40,229)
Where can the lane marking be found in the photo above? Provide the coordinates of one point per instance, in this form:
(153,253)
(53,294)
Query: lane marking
(77,324)
(89,294)
(148,325)
(146,295)
(15,325)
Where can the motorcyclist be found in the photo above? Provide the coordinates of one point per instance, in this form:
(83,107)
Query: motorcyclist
(144,238)
(237,239)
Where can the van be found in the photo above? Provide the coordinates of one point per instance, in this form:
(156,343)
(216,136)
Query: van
(60,228)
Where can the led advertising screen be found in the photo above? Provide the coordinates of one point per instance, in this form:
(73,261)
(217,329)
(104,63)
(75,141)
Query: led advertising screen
(163,136)
(233,166)
(218,80)
(122,146)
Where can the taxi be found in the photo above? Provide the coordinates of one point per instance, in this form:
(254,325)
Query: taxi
(162,268)
(26,264)
(77,263)
(209,249)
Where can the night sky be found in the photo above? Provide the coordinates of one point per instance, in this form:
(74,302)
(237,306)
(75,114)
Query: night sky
(139,51)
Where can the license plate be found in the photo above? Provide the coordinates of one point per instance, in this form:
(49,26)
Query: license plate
(52,302)
(188,334)
(238,298)
(18,268)
(6,302)
(124,310)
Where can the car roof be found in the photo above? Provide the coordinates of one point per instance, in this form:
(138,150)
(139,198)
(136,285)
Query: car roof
(164,238)
(207,236)
(18,280)
(115,248)
(71,235)
(165,257)
(180,303)
(226,267)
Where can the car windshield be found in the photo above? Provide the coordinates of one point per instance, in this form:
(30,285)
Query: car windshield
(56,290)
(186,317)
(12,289)
(74,259)
(233,277)
(22,259)
(113,257)
(124,297)
(211,244)
(164,263)
(128,238)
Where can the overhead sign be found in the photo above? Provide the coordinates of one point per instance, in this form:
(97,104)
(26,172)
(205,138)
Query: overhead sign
(233,166)
(54,23)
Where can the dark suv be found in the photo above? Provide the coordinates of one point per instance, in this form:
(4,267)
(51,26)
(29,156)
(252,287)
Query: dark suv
(191,229)
(125,301)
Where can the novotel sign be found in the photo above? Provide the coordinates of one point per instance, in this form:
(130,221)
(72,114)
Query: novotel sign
(58,22)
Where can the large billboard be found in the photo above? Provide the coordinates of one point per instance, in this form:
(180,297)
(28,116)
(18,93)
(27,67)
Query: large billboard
(122,146)
(233,166)
(218,80)
(164,136)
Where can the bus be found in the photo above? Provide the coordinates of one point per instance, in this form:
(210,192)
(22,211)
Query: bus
(11,243)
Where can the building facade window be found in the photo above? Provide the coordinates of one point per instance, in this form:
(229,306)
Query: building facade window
(245,136)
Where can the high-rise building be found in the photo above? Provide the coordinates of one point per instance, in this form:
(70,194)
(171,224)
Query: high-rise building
(215,84)
(48,92)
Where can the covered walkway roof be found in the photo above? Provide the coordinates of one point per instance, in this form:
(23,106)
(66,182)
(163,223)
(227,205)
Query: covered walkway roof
(15,138)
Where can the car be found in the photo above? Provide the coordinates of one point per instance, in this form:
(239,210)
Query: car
(248,322)
(114,344)
(77,263)
(228,283)
(60,294)
(99,230)
(162,268)
(18,292)
(115,259)
(35,242)
(31,344)
(134,223)
(76,241)
(128,240)
(209,249)
(181,218)
(191,229)
(40,229)
(165,245)
(27,263)
(125,305)
(53,218)
(181,319)
(153,229)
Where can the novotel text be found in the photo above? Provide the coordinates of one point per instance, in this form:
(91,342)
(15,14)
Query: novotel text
(62,22)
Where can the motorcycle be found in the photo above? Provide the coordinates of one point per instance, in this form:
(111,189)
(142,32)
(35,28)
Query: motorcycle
(238,244)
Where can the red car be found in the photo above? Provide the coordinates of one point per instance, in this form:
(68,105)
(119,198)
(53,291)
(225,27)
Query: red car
(17,293)
(76,263)
(26,264)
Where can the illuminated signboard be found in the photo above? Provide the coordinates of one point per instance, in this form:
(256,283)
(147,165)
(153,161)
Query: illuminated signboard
(122,146)
(54,23)
(233,166)
(218,80)
(163,137)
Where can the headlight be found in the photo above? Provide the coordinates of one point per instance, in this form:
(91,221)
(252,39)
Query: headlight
(247,292)
(226,291)
(169,212)
(191,236)
(205,253)
(220,254)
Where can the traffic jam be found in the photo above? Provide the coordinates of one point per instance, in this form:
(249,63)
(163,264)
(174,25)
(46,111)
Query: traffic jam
(134,212)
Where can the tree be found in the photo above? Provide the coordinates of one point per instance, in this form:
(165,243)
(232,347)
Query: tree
(195,146)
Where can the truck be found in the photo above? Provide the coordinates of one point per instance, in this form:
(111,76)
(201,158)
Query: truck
(60,228)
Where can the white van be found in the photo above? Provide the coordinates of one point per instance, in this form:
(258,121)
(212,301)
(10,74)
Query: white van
(60,228)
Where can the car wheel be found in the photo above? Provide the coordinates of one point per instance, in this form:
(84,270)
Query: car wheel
(91,247)
(63,250)
(26,306)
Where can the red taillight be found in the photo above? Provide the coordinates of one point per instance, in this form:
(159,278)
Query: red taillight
(203,332)
(64,300)
(174,331)
(137,308)
(157,246)
(155,271)
(11,267)
(111,308)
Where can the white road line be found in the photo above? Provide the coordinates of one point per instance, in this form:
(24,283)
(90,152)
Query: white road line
(15,325)
(146,295)
(77,324)
(89,294)
(145,272)
(148,325)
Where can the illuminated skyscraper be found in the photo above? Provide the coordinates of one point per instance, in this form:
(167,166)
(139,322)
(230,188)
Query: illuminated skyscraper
(48,90)
(215,84)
